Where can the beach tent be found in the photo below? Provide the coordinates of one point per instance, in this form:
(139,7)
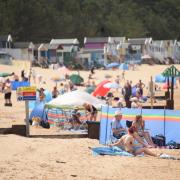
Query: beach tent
(101,90)
(38,111)
(76,79)
(112,65)
(48,97)
(124,66)
(74,98)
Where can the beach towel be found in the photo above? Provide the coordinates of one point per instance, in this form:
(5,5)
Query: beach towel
(112,151)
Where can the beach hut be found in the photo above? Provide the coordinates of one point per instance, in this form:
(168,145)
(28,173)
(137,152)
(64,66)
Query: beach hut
(23,50)
(67,53)
(6,41)
(95,46)
(54,55)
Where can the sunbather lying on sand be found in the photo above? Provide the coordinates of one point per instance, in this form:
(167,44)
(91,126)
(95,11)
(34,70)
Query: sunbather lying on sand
(127,143)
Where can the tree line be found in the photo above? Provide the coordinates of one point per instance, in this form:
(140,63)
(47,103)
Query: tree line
(41,20)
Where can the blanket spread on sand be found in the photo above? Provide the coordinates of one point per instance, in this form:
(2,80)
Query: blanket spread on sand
(113,151)
(116,151)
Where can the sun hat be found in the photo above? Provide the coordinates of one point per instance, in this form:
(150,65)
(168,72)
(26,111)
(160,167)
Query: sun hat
(117,113)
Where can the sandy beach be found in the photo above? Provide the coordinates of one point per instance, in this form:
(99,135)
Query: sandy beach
(56,158)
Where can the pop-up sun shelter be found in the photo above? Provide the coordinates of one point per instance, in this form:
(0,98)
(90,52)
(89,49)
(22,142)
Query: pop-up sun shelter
(74,98)
(59,109)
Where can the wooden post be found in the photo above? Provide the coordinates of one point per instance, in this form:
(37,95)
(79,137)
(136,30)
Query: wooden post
(172,88)
(151,90)
(27,117)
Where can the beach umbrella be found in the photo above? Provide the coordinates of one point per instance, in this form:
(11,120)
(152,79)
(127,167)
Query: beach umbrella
(74,98)
(124,66)
(5,74)
(76,79)
(112,65)
(100,89)
(64,70)
(111,85)
(56,79)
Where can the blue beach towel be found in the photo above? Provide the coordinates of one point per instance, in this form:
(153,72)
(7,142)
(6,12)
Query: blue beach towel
(112,151)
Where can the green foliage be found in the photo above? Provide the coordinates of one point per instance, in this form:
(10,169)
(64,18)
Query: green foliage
(41,20)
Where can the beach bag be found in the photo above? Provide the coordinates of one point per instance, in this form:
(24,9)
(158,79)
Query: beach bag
(159,140)
(45,124)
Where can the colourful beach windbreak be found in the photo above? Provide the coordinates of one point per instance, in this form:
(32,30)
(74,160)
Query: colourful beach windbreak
(157,121)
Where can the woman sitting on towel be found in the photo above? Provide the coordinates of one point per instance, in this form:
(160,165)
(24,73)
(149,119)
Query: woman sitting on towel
(127,143)
(139,126)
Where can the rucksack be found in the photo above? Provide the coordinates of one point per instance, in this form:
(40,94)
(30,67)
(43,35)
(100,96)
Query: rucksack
(159,140)
(45,124)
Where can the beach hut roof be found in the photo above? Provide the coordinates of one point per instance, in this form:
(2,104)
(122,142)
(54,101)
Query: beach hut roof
(65,41)
(95,40)
(55,46)
(116,40)
(43,47)
(22,45)
(6,38)
(137,41)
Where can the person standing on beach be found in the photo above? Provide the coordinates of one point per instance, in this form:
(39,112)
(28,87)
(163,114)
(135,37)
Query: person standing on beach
(91,111)
(34,75)
(127,92)
(55,92)
(7,93)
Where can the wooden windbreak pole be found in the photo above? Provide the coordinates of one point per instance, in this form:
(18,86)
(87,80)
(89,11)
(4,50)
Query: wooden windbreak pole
(151,91)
